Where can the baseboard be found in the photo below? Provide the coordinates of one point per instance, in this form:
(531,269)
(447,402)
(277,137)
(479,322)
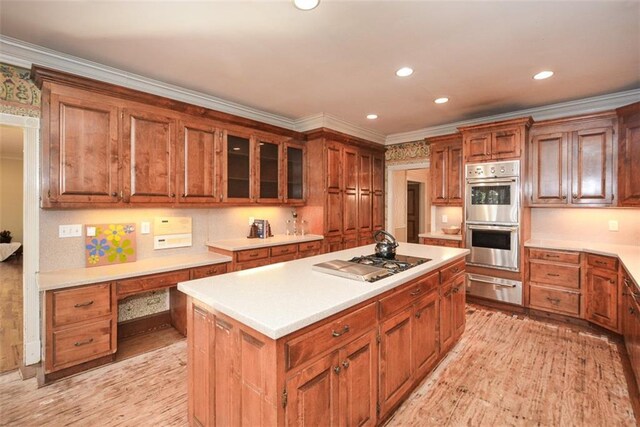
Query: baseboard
(142,325)
(29,371)
(32,352)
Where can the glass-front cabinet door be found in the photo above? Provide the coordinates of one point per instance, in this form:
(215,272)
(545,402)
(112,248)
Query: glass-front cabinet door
(269,182)
(294,172)
(237,176)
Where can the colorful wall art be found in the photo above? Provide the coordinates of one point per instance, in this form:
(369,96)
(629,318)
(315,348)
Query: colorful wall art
(110,244)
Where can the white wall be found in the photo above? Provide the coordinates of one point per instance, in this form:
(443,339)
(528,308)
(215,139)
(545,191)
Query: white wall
(454,217)
(11,194)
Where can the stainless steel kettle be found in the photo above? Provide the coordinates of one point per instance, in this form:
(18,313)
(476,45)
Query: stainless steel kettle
(386,244)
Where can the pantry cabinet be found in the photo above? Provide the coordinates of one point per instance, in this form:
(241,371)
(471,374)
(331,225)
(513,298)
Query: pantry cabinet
(629,155)
(446,170)
(571,162)
(495,141)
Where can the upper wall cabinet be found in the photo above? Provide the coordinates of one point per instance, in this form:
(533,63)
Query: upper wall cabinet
(446,170)
(571,162)
(495,141)
(108,146)
(629,155)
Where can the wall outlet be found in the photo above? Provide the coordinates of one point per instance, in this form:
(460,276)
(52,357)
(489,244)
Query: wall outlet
(91,231)
(145,227)
(445,219)
(72,230)
(613,225)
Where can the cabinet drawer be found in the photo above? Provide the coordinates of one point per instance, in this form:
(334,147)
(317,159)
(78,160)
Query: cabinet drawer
(79,304)
(602,262)
(252,264)
(310,246)
(208,270)
(441,242)
(554,300)
(408,294)
(284,250)
(567,276)
(283,258)
(148,283)
(568,257)
(331,335)
(451,271)
(81,343)
(252,254)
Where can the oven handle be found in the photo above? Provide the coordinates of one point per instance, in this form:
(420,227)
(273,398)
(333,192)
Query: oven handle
(487,181)
(492,283)
(492,227)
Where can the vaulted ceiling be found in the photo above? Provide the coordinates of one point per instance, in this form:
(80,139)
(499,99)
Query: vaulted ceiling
(341,57)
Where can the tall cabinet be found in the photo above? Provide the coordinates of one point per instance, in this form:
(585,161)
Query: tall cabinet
(346,195)
(629,155)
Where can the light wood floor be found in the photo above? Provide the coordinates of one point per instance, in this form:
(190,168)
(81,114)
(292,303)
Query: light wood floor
(505,371)
(10,314)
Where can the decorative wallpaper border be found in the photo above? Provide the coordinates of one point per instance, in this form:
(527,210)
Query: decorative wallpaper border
(409,152)
(19,96)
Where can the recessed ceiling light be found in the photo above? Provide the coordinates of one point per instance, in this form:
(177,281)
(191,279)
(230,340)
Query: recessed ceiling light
(306,4)
(372,116)
(404,72)
(543,75)
(441,100)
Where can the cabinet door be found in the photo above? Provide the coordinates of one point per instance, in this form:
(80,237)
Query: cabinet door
(364,193)
(602,297)
(395,358)
(459,306)
(294,155)
(149,144)
(378,173)
(201,367)
(83,152)
(377,211)
(505,144)
(550,163)
(425,333)
(269,173)
(454,175)
(629,156)
(364,172)
(439,175)
(333,173)
(358,382)
(313,394)
(238,168)
(592,166)
(477,147)
(364,213)
(446,317)
(198,152)
(350,194)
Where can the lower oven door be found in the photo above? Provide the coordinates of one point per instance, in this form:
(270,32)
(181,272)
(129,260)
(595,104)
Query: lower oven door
(494,288)
(493,246)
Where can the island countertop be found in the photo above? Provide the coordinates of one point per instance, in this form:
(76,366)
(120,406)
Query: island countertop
(282,298)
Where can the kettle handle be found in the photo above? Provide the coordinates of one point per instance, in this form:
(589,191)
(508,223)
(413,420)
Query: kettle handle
(386,237)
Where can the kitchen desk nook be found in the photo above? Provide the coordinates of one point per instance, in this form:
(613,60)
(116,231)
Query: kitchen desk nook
(284,344)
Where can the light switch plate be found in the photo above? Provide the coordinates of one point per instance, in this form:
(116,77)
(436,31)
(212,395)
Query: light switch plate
(72,230)
(145,227)
(445,219)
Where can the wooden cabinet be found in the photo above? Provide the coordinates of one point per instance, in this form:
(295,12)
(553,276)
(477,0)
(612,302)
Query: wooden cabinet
(441,242)
(200,358)
(258,257)
(629,155)
(198,165)
(446,170)
(294,172)
(395,358)
(571,162)
(459,306)
(631,321)
(554,282)
(270,185)
(446,331)
(495,141)
(602,292)
(80,325)
(425,333)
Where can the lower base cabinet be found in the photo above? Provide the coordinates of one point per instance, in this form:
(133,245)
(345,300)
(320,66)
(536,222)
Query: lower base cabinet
(631,322)
(602,297)
(352,369)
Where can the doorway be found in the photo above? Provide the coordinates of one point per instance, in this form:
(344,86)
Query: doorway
(413,211)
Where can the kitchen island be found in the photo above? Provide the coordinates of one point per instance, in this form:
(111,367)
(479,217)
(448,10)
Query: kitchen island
(286,345)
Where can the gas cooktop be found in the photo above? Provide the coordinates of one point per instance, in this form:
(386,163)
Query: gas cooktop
(369,268)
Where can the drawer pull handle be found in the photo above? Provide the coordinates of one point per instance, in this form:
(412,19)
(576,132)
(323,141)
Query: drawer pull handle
(631,310)
(612,281)
(553,275)
(83,304)
(337,334)
(554,300)
(456,269)
(416,292)
(627,282)
(253,255)
(418,314)
(552,256)
(85,342)
(600,262)
(345,364)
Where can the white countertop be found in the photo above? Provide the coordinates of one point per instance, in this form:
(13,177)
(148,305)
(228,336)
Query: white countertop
(457,237)
(246,243)
(82,276)
(629,255)
(282,298)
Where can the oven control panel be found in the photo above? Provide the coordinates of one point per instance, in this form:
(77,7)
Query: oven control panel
(508,168)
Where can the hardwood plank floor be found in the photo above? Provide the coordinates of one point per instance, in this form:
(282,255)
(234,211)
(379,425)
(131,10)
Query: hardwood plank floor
(10,314)
(506,370)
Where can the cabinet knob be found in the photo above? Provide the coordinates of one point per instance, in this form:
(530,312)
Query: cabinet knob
(345,364)
(564,197)
(574,195)
(173,195)
(418,314)
(184,195)
(337,370)
(114,194)
(612,281)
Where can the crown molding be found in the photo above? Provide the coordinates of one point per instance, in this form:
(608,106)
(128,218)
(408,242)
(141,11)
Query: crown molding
(564,109)
(324,120)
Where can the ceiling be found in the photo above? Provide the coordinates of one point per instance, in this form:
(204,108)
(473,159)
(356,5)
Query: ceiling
(340,58)
(11,142)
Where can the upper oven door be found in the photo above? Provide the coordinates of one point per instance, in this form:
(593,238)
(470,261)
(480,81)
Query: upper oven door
(492,200)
